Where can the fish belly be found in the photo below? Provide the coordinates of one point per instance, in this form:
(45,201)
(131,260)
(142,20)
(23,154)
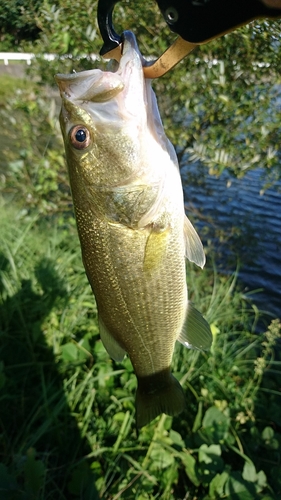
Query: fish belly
(141,301)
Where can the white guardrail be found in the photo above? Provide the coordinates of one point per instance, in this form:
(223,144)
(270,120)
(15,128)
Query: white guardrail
(25,56)
(22,56)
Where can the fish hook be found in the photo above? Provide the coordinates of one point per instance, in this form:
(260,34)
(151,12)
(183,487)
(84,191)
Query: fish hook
(112,44)
(200,21)
(111,40)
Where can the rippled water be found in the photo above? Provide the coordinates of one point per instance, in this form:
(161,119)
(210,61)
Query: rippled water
(242,224)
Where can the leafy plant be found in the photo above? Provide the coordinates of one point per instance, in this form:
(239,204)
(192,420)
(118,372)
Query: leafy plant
(32,166)
(67,410)
(17,22)
(220,105)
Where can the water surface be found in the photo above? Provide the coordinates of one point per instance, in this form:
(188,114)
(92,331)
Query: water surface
(242,224)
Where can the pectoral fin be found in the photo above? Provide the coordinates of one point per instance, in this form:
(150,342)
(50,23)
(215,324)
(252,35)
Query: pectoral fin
(155,249)
(113,348)
(196,333)
(193,247)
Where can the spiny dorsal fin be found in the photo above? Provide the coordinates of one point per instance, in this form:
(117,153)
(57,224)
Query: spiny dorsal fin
(196,333)
(113,348)
(193,246)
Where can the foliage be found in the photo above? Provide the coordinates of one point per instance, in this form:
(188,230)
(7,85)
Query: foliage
(221,104)
(32,166)
(17,22)
(67,410)
(230,104)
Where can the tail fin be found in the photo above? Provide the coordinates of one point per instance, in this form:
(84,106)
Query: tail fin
(156,394)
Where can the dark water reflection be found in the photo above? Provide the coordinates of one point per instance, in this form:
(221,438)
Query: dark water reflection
(241,224)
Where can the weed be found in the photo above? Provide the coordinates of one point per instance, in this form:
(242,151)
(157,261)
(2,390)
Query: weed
(67,410)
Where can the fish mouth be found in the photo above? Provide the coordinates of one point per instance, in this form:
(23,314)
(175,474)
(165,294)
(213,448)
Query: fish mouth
(130,52)
(101,86)
(130,71)
(92,85)
(118,96)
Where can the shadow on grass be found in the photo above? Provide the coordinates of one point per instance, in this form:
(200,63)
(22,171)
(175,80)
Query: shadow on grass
(41,450)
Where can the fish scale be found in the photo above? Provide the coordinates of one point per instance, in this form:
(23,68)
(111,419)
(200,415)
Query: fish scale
(134,234)
(122,294)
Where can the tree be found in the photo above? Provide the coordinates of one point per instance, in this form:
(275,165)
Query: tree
(221,104)
(17,22)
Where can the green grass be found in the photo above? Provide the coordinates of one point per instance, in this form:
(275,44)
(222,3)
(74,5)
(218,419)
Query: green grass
(10,87)
(32,166)
(67,410)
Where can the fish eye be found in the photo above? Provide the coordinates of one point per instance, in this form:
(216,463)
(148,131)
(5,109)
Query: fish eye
(79,137)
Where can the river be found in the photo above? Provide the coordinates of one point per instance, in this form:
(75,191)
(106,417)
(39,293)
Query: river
(243,226)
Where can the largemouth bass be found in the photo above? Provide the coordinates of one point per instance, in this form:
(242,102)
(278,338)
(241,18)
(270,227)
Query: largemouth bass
(133,231)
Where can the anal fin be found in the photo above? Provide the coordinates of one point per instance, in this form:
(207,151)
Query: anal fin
(111,345)
(196,332)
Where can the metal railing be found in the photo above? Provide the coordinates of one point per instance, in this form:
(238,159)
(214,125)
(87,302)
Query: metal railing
(15,56)
(25,56)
